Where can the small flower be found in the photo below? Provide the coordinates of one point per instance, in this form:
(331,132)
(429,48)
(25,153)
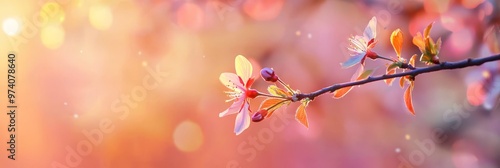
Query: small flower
(361,45)
(268,74)
(239,84)
(429,49)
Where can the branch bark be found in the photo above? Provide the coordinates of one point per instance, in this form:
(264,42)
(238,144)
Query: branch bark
(417,71)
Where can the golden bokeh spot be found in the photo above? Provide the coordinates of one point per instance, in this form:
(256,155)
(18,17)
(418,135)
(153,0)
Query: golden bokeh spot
(52,36)
(407,137)
(100,17)
(53,12)
(188,136)
(486,74)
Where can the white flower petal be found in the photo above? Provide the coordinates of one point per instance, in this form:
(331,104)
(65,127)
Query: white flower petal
(234,108)
(353,60)
(243,68)
(231,81)
(242,120)
(371,29)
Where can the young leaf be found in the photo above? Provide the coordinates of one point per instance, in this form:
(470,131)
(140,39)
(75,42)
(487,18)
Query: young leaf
(276,91)
(407,97)
(364,75)
(402,82)
(343,91)
(397,41)
(427,30)
(272,104)
(389,81)
(412,60)
(300,114)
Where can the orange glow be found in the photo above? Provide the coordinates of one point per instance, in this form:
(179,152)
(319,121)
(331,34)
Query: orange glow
(475,94)
(263,9)
(190,16)
(436,6)
(471,3)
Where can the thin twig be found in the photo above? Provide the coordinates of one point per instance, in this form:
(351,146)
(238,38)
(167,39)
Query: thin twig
(442,66)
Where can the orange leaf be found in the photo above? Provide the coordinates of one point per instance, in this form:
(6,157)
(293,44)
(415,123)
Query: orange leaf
(412,60)
(397,41)
(271,102)
(427,30)
(389,81)
(301,115)
(407,97)
(418,40)
(339,93)
(402,82)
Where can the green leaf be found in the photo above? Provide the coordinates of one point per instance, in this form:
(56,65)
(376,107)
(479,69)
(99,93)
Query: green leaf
(276,91)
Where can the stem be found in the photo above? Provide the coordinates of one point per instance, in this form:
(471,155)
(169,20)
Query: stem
(286,86)
(404,65)
(281,102)
(442,66)
(385,58)
(273,96)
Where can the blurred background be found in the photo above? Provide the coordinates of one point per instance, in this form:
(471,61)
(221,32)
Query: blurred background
(134,83)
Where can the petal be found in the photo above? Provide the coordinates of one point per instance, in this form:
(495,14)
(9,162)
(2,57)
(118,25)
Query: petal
(234,108)
(353,60)
(371,29)
(231,81)
(243,67)
(242,120)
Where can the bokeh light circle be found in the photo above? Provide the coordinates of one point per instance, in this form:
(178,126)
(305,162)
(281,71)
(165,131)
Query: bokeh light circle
(52,36)
(100,17)
(53,11)
(188,136)
(11,26)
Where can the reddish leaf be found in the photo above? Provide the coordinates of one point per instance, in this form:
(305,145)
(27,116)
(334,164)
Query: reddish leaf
(402,82)
(300,114)
(408,100)
(272,104)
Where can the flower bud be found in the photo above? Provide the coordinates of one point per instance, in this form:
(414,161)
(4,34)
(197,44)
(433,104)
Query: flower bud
(259,115)
(268,75)
(251,93)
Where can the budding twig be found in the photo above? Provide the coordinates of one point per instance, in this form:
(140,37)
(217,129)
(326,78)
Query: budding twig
(416,71)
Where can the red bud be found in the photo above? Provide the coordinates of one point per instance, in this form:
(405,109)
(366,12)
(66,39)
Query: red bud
(259,115)
(268,75)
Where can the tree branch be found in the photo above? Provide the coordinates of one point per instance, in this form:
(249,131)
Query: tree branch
(442,66)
